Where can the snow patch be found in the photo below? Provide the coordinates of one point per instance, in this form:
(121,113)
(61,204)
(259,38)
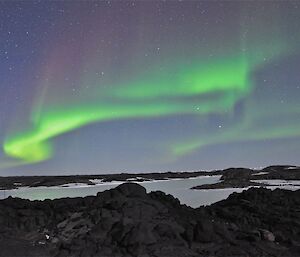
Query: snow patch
(260,173)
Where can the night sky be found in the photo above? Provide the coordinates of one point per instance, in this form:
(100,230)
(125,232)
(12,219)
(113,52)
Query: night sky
(124,86)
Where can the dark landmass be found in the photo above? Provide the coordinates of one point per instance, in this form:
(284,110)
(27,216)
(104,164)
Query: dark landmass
(241,177)
(7,183)
(128,222)
(231,178)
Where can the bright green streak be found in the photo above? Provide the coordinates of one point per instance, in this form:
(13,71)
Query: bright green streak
(238,134)
(224,81)
(221,75)
(248,129)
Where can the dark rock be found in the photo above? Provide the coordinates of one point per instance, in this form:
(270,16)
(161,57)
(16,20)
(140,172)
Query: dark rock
(131,189)
(267,235)
(242,178)
(127,222)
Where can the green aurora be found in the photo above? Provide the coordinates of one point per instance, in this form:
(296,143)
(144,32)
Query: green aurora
(222,83)
(203,73)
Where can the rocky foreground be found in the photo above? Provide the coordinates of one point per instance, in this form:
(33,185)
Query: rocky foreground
(128,222)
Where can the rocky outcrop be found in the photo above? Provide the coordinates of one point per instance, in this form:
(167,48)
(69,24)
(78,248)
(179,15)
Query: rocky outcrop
(126,221)
(242,178)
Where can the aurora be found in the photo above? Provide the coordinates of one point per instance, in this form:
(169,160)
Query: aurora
(33,146)
(230,78)
(227,79)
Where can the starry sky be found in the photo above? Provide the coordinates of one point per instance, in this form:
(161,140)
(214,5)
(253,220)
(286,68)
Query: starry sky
(139,86)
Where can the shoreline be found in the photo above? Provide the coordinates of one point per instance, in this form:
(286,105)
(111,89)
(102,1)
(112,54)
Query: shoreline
(230,178)
(7,183)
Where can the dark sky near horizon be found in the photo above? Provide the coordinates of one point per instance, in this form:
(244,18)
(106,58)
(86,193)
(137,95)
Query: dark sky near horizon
(138,86)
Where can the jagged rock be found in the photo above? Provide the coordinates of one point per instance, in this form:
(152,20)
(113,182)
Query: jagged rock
(128,222)
(267,235)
